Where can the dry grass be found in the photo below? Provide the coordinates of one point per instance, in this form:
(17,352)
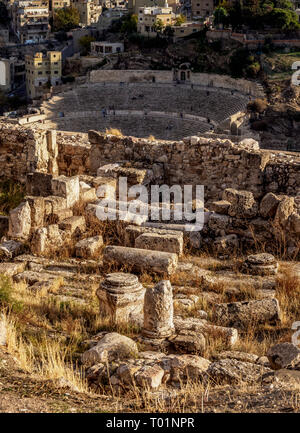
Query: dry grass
(114,131)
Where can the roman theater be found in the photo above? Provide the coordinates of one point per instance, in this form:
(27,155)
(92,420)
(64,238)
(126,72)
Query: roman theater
(168,105)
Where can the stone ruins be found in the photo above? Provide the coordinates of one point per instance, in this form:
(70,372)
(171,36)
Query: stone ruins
(252,204)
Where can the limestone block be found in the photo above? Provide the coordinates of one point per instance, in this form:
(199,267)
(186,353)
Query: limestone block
(243,204)
(284,355)
(184,367)
(72,224)
(111,347)
(89,248)
(105,187)
(189,342)
(232,371)
(10,249)
(54,205)
(268,205)
(3,331)
(220,207)
(143,260)
(132,232)
(149,376)
(295,223)
(239,356)
(10,269)
(87,193)
(284,210)
(171,243)
(158,311)
(242,314)
(229,335)
(121,297)
(37,207)
(67,187)
(20,222)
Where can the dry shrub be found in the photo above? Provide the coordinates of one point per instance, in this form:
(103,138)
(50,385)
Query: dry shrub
(114,131)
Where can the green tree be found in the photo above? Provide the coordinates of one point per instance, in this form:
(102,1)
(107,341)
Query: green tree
(66,19)
(129,24)
(180,19)
(158,26)
(284,19)
(220,16)
(85,43)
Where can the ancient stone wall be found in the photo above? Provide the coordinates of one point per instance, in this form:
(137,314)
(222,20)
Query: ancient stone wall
(24,150)
(211,80)
(130,76)
(215,163)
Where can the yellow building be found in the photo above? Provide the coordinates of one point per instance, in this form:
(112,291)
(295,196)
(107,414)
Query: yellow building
(149,17)
(42,72)
(89,11)
(135,5)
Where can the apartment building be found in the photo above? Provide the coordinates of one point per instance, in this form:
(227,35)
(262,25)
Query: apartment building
(12,73)
(104,48)
(203,8)
(148,17)
(43,70)
(89,11)
(30,20)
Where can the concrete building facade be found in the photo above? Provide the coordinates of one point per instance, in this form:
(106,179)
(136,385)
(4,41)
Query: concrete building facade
(104,48)
(148,17)
(89,11)
(30,20)
(42,72)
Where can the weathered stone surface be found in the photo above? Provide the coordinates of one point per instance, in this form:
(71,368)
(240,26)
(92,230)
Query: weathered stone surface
(232,371)
(46,238)
(111,347)
(243,204)
(260,264)
(150,376)
(10,269)
(89,248)
(10,249)
(218,222)
(239,356)
(295,223)
(37,207)
(3,331)
(73,224)
(184,367)
(242,314)
(142,260)
(132,232)
(268,205)
(67,187)
(229,335)
(55,209)
(284,210)
(121,297)
(171,243)
(158,311)
(189,342)
(220,207)
(284,355)
(20,222)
